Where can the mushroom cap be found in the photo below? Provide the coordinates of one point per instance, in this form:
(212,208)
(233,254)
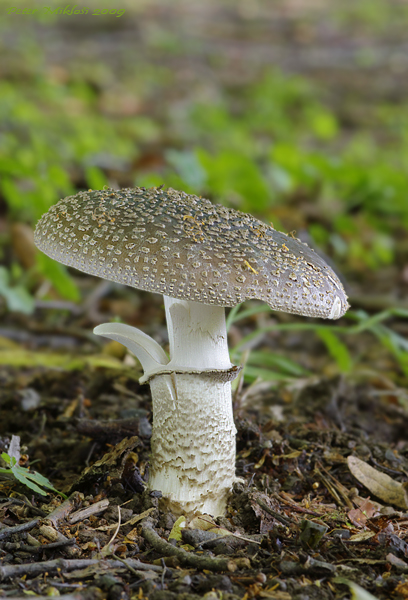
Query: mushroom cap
(185,247)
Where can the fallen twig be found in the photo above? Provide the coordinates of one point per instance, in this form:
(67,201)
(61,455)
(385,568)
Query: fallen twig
(333,486)
(34,509)
(56,537)
(91,593)
(188,558)
(63,510)
(311,565)
(238,536)
(8,531)
(84,513)
(283,497)
(35,549)
(284,520)
(66,565)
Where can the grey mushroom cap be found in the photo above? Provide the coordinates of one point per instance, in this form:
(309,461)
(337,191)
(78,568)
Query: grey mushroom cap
(185,247)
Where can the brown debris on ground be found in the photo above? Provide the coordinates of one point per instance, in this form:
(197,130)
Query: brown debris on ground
(304,521)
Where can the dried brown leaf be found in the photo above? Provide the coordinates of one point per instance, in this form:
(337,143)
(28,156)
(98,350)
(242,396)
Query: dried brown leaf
(379,484)
(363,536)
(358,516)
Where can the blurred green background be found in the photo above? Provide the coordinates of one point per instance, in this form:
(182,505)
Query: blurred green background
(295,111)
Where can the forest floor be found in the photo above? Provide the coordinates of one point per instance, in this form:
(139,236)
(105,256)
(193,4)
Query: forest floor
(307,519)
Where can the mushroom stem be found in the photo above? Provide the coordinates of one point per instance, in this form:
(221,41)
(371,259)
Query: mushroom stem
(193,439)
(197,335)
(193,444)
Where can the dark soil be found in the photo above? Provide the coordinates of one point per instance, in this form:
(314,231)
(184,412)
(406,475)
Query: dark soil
(298,530)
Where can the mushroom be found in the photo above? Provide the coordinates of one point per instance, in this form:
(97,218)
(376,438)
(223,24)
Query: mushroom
(202,257)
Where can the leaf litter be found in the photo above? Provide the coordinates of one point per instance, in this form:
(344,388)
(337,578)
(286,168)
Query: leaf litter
(308,515)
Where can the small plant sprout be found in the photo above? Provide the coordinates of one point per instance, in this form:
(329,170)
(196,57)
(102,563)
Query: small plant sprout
(35,481)
(202,258)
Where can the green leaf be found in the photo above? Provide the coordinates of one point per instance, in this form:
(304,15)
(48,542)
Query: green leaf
(188,167)
(237,312)
(271,360)
(337,349)
(17,298)
(175,533)
(59,277)
(10,460)
(95,178)
(31,479)
(252,373)
(22,475)
(231,174)
(12,194)
(323,124)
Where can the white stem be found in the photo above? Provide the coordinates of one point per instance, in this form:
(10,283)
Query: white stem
(193,439)
(197,335)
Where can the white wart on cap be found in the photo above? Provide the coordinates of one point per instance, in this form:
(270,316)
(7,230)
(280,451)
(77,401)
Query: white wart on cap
(185,247)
